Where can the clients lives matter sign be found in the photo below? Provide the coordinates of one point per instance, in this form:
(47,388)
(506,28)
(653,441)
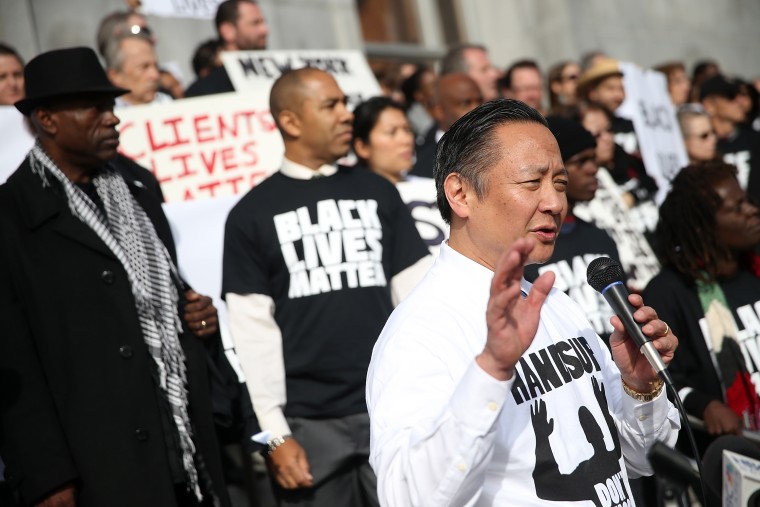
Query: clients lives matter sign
(203,147)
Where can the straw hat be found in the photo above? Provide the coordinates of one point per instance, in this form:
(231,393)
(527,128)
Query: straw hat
(601,70)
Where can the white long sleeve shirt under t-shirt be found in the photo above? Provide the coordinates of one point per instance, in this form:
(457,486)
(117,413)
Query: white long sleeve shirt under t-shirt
(445,433)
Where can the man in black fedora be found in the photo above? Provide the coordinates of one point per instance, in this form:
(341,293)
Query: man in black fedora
(105,394)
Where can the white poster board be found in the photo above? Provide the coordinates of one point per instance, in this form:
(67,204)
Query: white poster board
(214,146)
(15,142)
(199,9)
(419,194)
(608,211)
(255,71)
(647,104)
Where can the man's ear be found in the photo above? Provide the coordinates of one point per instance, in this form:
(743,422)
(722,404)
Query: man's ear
(290,123)
(45,120)
(227,32)
(436,111)
(709,105)
(114,77)
(361,149)
(459,194)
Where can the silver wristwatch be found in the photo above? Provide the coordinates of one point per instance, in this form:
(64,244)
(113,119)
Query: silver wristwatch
(275,442)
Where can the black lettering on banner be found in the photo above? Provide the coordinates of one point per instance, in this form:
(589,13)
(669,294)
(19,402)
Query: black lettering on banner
(194,6)
(668,164)
(336,66)
(656,116)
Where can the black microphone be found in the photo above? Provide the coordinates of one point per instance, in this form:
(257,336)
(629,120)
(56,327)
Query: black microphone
(606,276)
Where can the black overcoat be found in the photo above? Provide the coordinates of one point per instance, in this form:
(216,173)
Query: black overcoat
(77,396)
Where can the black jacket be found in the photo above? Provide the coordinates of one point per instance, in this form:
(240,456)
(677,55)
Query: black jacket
(78,401)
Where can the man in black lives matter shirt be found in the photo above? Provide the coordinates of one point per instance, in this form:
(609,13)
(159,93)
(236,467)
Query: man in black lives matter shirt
(314,259)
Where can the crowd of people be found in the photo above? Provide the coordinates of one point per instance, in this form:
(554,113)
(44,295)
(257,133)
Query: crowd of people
(114,387)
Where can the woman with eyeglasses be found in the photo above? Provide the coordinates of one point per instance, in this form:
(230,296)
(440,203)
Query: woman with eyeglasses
(698,134)
(562,82)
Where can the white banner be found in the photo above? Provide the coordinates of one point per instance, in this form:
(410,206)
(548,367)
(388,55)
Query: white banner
(214,146)
(15,141)
(255,71)
(420,197)
(608,211)
(200,9)
(647,104)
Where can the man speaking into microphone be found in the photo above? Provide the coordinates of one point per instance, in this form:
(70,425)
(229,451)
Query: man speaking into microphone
(486,390)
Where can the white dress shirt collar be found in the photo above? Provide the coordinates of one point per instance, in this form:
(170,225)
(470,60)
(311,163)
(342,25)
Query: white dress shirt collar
(301,172)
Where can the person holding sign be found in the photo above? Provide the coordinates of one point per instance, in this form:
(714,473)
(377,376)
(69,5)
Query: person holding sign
(241,27)
(314,259)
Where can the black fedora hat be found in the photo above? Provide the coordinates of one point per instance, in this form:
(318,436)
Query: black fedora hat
(63,72)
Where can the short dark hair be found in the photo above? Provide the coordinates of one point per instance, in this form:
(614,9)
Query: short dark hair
(366,115)
(6,50)
(411,84)
(454,60)
(506,81)
(205,55)
(555,76)
(227,12)
(470,148)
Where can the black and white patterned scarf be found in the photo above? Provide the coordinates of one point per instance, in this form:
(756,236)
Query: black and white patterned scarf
(130,235)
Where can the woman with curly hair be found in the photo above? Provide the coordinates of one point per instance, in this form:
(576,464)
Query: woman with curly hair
(709,293)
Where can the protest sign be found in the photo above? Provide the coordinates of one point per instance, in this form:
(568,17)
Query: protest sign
(213,146)
(608,211)
(200,9)
(255,71)
(420,197)
(647,104)
(15,142)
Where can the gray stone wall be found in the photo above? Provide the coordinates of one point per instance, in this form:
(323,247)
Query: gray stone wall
(643,31)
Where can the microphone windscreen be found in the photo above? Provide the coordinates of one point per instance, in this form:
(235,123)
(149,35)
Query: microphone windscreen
(603,271)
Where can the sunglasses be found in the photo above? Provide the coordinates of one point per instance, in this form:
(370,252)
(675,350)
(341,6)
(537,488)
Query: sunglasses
(570,77)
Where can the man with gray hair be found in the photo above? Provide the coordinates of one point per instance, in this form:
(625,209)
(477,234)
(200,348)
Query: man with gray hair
(131,64)
(472,59)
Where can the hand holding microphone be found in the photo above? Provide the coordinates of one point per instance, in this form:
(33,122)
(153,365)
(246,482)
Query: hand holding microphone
(648,335)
